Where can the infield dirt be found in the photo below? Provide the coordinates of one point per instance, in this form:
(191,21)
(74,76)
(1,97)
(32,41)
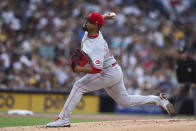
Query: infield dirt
(122,125)
(117,123)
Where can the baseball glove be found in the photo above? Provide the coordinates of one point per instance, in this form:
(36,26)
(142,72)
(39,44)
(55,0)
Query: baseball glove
(78,58)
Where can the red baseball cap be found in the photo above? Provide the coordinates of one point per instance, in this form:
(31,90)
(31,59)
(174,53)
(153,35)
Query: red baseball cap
(96,18)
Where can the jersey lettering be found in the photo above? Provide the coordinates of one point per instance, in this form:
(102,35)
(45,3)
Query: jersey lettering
(98,62)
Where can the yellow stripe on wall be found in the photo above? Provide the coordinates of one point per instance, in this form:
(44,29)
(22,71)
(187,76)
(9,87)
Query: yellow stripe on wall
(46,102)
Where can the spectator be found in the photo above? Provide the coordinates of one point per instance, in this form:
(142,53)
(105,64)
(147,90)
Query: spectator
(37,37)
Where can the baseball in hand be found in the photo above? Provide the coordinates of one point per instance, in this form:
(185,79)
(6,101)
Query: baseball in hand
(112,14)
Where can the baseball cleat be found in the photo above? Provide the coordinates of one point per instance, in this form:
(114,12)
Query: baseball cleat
(59,123)
(166,105)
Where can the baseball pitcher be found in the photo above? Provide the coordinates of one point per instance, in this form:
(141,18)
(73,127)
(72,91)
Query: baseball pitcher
(102,72)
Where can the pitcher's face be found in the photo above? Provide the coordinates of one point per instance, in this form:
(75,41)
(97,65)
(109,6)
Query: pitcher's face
(89,25)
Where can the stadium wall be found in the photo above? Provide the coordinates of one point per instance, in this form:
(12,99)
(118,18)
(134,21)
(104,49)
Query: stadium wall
(45,102)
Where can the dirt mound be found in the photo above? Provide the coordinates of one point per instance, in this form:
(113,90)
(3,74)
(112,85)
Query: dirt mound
(122,125)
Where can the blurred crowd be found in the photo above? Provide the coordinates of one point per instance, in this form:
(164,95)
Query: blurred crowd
(38,36)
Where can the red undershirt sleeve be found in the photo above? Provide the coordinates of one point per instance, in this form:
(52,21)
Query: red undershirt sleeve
(95,70)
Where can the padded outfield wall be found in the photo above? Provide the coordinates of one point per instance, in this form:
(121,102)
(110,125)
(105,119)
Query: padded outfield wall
(45,102)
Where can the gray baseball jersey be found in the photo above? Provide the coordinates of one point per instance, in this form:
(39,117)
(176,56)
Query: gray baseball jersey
(110,78)
(97,50)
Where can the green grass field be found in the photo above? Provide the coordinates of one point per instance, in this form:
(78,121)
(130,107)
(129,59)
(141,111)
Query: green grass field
(11,121)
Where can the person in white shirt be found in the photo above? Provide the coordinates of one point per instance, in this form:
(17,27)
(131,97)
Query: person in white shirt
(103,72)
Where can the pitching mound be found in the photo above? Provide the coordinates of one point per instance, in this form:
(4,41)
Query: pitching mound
(123,125)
